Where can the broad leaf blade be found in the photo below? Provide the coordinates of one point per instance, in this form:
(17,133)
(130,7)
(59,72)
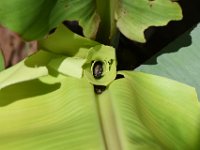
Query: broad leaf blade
(179,60)
(152,112)
(133,17)
(49,112)
(42,114)
(34,18)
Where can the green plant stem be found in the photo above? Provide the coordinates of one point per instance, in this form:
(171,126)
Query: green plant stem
(107,32)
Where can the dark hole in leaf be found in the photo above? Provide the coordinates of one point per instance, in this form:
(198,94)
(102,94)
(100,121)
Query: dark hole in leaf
(52,30)
(74,27)
(97,69)
(119,76)
(98,89)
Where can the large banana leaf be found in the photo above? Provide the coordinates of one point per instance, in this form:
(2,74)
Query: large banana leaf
(180,60)
(54,110)
(33,19)
(140,111)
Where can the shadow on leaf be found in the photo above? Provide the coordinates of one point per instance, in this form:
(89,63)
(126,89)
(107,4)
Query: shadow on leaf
(24,90)
(184,40)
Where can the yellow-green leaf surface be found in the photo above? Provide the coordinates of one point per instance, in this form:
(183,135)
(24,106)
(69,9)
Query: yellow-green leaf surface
(63,52)
(50,113)
(72,49)
(134,16)
(71,66)
(140,111)
(150,112)
(63,41)
(28,69)
(78,52)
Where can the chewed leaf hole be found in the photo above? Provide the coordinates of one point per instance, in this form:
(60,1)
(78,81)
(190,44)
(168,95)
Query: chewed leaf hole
(52,31)
(97,69)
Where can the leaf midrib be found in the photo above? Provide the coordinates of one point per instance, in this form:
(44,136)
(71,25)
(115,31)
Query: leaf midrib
(108,122)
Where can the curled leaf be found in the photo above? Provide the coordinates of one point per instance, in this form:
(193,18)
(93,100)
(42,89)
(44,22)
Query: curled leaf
(100,68)
(64,41)
(30,68)
(69,66)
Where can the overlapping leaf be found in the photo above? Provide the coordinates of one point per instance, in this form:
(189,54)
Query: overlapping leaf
(40,64)
(133,17)
(25,71)
(152,112)
(179,60)
(34,18)
(63,41)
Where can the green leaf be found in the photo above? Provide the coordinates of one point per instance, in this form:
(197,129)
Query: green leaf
(84,52)
(71,59)
(72,48)
(179,60)
(28,69)
(65,42)
(34,18)
(43,63)
(69,66)
(47,109)
(50,113)
(42,109)
(133,113)
(150,112)
(1,61)
(134,17)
